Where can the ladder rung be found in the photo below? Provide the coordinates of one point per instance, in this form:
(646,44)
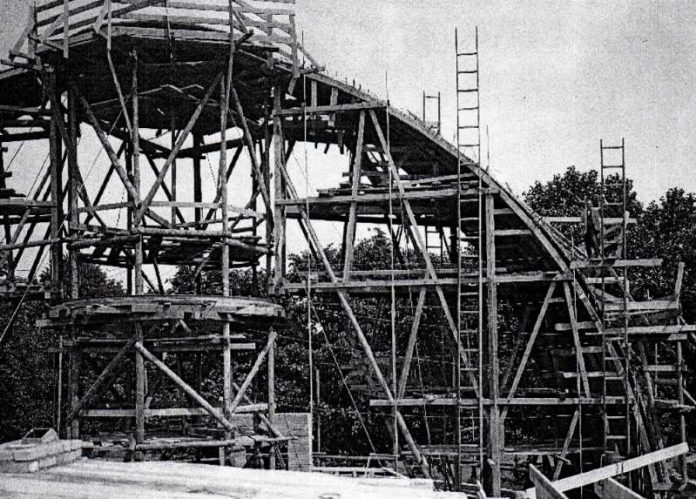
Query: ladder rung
(615,417)
(612,147)
(468,127)
(469,145)
(616,437)
(606,167)
(467,90)
(467,71)
(474,108)
(466,53)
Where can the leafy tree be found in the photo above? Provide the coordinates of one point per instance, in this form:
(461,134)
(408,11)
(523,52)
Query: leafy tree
(565,195)
(27,364)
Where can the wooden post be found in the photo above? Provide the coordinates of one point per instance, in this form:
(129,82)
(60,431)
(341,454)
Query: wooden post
(140,372)
(279,185)
(172,181)
(317,383)
(271,394)
(224,253)
(74,388)
(495,423)
(56,168)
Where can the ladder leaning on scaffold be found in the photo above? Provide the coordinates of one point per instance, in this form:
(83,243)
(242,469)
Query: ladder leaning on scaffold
(469,254)
(613,211)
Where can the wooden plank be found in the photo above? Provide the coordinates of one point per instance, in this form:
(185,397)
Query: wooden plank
(611,489)
(638,262)
(577,220)
(544,488)
(337,108)
(518,401)
(620,468)
(375,197)
(168,412)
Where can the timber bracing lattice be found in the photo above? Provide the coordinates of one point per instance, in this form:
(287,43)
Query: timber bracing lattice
(166,89)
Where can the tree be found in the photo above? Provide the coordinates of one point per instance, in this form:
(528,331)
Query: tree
(565,195)
(27,364)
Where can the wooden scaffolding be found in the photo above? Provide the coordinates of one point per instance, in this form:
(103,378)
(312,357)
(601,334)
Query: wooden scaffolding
(176,82)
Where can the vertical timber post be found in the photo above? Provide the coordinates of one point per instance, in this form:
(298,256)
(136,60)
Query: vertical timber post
(140,372)
(494,422)
(279,210)
(225,258)
(56,196)
(74,384)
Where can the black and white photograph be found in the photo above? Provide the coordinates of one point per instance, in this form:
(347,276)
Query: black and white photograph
(348,249)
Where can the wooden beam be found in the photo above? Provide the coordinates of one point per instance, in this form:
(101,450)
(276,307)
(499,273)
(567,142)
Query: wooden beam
(543,487)
(611,489)
(495,422)
(596,264)
(620,468)
(358,106)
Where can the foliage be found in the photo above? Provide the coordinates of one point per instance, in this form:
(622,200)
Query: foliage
(565,195)
(27,361)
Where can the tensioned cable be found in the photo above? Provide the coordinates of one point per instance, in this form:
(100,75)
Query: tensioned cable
(309,244)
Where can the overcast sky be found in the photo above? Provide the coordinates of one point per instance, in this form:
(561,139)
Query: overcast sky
(555,76)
